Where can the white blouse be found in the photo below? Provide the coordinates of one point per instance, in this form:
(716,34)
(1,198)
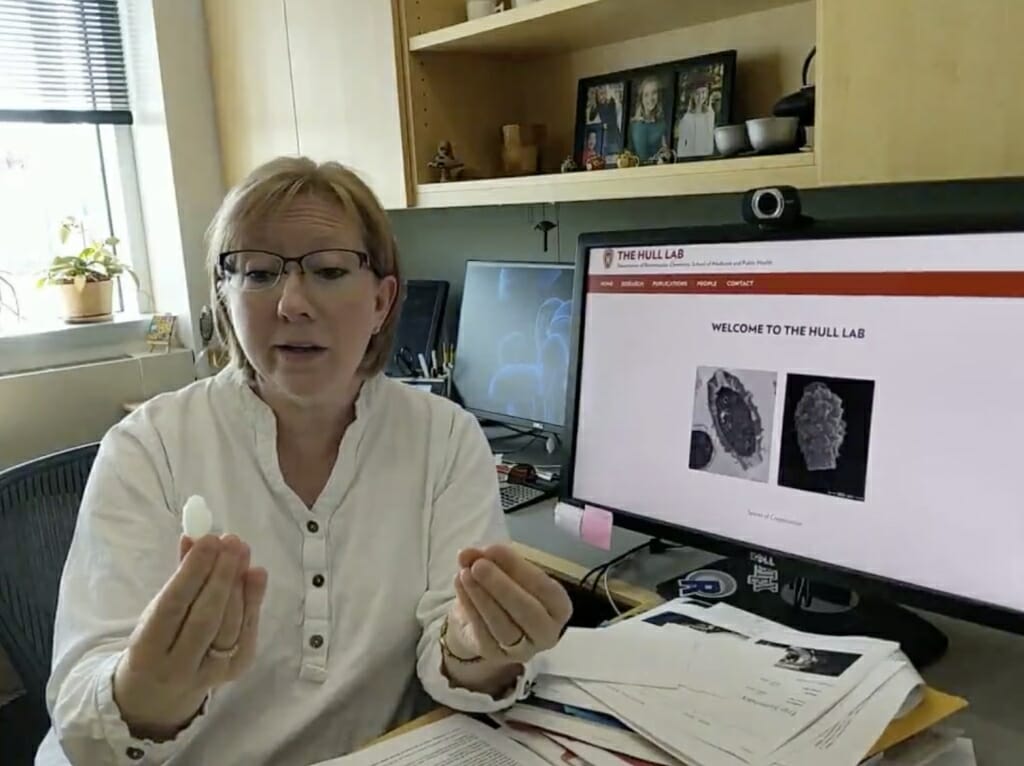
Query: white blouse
(358,585)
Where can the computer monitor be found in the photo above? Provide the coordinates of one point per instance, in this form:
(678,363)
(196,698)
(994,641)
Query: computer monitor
(419,325)
(512,352)
(839,404)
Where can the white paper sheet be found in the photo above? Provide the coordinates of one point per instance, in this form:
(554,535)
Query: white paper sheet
(453,741)
(749,686)
(616,740)
(543,746)
(843,736)
(639,655)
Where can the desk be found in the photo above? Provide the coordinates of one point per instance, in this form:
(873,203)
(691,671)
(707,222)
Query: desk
(984,666)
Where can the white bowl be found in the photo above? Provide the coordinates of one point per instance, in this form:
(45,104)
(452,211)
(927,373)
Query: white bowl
(773,134)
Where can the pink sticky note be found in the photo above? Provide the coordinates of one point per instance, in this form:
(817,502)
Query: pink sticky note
(596,527)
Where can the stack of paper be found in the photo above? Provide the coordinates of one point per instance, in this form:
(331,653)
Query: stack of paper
(715,686)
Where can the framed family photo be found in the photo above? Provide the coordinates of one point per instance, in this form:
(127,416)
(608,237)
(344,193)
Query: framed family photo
(600,119)
(704,101)
(659,113)
(650,113)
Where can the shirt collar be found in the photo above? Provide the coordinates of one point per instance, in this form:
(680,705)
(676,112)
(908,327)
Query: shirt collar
(233,380)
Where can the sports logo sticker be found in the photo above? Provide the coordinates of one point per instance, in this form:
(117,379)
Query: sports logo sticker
(707,582)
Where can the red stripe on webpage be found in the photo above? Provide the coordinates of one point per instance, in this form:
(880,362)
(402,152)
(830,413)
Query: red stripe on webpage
(964,284)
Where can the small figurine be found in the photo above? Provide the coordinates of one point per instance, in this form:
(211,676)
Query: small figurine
(665,156)
(569,165)
(445,161)
(595,162)
(627,159)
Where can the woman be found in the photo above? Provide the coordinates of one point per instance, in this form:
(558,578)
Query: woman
(361,553)
(648,130)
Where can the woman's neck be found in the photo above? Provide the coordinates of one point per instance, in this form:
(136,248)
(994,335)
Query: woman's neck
(311,428)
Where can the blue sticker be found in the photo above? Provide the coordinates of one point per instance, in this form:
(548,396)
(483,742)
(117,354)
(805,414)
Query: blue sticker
(707,582)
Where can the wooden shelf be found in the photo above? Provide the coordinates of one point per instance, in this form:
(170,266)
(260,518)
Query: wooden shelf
(708,177)
(559,26)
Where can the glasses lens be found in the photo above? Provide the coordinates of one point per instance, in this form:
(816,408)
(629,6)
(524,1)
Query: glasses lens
(253,270)
(331,267)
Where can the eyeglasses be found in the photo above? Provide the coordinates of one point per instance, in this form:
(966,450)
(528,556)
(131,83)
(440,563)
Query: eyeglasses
(259,270)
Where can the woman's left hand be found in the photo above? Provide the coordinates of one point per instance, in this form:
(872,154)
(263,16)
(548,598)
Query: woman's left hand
(506,609)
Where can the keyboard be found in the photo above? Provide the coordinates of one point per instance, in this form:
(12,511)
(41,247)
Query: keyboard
(516,496)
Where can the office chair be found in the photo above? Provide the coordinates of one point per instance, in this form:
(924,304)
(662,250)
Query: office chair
(38,507)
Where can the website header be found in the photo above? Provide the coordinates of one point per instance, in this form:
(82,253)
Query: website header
(936,253)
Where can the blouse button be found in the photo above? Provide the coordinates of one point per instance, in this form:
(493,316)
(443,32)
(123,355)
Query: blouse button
(318,581)
(134,753)
(313,527)
(316,641)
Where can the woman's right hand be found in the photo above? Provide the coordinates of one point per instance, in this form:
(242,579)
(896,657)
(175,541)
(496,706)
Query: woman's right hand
(212,601)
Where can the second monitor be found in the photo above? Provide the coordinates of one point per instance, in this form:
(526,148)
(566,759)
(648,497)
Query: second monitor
(512,354)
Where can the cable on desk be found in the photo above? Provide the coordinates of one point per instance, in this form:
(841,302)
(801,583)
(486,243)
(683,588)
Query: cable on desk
(654,545)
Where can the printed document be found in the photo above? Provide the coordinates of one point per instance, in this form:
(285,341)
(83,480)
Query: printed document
(453,741)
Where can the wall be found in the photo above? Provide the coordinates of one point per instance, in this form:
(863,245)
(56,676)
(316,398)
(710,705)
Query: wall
(176,149)
(44,412)
(436,244)
(178,163)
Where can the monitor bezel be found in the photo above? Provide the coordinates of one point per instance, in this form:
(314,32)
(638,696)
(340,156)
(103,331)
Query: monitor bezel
(949,604)
(502,418)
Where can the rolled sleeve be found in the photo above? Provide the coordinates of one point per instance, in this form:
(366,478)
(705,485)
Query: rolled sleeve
(123,550)
(466,513)
(124,748)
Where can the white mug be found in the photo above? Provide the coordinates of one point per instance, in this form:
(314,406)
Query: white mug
(477,9)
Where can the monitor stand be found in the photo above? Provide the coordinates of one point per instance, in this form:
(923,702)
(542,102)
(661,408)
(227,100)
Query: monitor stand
(754,584)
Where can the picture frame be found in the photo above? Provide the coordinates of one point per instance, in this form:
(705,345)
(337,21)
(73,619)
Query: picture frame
(600,111)
(161,331)
(699,85)
(704,100)
(651,104)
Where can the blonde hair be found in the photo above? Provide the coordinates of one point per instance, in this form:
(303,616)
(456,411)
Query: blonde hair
(270,188)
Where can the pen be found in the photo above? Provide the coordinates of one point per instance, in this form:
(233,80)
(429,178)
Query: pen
(435,370)
(423,365)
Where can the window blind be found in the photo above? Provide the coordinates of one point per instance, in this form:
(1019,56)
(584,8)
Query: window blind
(62,61)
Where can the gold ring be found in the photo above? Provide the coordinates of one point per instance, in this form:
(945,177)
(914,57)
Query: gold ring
(506,648)
(222,654)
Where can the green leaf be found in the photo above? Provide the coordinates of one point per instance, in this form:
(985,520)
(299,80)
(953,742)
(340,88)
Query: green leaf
(98,268)
(111,241)
(42,282)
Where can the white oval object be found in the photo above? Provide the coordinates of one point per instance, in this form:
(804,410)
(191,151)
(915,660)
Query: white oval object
(196,517)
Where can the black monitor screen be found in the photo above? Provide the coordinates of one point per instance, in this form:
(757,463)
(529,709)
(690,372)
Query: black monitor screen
(419,323)
(512,355)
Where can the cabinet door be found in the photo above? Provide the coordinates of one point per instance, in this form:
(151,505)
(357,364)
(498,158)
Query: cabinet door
(919,90)
(347,80)
(251,83)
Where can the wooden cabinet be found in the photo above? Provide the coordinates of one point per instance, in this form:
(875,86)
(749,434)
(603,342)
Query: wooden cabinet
(907,90)
(252,83)
(920,90)
(346,82)
(313,77)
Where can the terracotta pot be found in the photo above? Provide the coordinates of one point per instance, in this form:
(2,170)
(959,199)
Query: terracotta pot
(94,302)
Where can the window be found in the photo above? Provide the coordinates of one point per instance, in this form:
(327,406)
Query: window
(65,147)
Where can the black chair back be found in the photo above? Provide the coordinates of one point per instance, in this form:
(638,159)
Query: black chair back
(39,504)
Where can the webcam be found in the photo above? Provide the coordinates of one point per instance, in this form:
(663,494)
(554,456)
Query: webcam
(773,207)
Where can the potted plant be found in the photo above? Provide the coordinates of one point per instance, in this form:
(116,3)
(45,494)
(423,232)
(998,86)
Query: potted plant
(86,280)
